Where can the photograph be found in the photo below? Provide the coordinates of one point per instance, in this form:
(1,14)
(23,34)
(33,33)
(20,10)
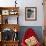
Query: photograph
(31,13)
(5,12)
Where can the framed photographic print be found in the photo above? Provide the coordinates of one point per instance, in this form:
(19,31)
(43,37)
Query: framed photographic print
(5,12)
(31,13)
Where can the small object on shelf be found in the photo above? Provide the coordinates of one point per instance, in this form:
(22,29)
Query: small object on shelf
(15,30)
(12,12)
(15,37)
(15,12)
(0,19)
(7,34)
(0,12)
(6,21)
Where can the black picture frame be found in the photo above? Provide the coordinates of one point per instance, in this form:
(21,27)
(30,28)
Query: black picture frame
(30,13)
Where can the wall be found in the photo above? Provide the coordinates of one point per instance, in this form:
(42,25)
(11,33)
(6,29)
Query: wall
(26,3)
(31,3)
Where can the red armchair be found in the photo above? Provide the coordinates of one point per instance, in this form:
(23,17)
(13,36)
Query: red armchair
(29,36)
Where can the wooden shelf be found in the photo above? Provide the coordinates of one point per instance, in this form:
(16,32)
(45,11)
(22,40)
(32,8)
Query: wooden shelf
(4,13)
(9,9)
(11,26)
(10,43)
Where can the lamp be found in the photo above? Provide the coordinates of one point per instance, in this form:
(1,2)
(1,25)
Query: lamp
(15,3)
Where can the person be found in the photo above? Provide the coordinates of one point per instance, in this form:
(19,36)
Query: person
(30,38)
(29,13)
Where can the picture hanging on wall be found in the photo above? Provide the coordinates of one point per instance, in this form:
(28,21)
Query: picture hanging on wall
(30,13)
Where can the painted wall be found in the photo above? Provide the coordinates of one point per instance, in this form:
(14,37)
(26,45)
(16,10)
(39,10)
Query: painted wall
(26,3)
